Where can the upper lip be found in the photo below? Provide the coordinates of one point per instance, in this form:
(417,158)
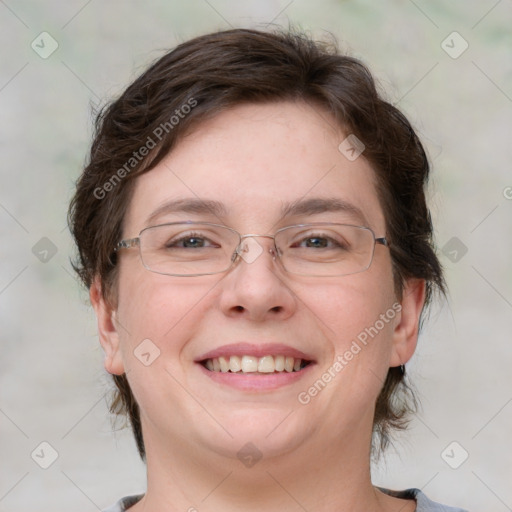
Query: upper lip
(256,350)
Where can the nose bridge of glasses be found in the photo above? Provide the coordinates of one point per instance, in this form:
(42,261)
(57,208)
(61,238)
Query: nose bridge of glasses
(249,249)
(254,235)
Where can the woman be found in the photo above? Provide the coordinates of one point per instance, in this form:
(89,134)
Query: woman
(253,230)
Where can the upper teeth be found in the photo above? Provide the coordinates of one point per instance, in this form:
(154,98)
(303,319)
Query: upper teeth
(252,364)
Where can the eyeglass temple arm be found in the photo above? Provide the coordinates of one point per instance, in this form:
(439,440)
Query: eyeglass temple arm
(382,241)
(126,244)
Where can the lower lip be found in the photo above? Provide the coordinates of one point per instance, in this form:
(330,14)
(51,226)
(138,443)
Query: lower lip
(256,381)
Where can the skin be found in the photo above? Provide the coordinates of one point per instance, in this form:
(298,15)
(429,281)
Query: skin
(315,457)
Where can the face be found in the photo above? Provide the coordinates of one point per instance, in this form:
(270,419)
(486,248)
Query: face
(253,160)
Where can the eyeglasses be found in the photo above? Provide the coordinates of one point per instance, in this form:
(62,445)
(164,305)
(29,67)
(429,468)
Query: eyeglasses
(201,248)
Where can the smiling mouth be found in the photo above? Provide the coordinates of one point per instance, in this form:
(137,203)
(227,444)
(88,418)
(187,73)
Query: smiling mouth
(256,365)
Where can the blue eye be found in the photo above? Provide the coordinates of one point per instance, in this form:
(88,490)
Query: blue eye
(190,241)
(318,242)
(321,242)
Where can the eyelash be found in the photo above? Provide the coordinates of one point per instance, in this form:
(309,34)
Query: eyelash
(187,236)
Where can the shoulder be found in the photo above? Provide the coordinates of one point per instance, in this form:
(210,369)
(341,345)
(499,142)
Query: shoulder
(423,504)
(426,505)
(124,503)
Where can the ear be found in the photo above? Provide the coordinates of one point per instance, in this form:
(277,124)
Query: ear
(405,334)
(107,330)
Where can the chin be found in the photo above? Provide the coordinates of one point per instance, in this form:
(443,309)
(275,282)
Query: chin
(268,432)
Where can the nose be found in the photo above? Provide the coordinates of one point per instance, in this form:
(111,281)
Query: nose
(256,288)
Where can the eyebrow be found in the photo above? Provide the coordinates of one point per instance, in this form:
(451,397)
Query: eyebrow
(194,206)
(318,205)
(312,206)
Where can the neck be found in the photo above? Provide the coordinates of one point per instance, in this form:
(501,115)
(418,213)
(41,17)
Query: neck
(185,477)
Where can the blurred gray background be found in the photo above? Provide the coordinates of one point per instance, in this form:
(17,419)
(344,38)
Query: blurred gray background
(456,88)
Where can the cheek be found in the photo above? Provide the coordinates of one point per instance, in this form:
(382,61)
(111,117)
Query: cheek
(356,315)
(158,308)
(158,317)
(348,308)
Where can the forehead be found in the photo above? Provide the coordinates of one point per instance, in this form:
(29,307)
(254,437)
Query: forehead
(256,163)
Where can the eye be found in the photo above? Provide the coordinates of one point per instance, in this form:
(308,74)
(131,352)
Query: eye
(321,241)
(316,242)
(190,241)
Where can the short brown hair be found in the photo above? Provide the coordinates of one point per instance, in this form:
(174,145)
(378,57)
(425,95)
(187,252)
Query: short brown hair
(215,72)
